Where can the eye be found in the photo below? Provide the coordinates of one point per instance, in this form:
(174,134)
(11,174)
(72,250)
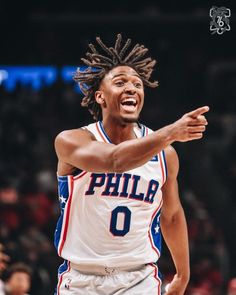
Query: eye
(138,84)
(119,83)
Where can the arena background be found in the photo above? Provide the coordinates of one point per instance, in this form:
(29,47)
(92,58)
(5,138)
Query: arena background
(195,68)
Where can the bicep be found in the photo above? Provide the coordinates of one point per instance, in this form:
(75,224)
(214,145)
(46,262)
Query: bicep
(80,149)
(171,201)
(94,156)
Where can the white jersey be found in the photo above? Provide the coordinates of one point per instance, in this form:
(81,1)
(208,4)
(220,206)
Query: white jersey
(111,219)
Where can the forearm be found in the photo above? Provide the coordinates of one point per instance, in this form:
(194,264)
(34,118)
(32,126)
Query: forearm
(134,153)
(175,234)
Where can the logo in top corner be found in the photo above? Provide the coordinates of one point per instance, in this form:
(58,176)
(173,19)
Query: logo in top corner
(220,20)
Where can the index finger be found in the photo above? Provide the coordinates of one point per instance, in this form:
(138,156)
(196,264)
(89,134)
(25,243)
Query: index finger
(199,111)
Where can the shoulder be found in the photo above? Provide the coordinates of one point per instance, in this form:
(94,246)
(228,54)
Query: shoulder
(69,140)
(172,161)
(67,143)
(72,135)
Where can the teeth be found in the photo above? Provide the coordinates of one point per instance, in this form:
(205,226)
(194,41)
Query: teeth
(129,100)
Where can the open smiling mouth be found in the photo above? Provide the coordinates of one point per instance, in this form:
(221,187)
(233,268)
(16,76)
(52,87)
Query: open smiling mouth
(129,104)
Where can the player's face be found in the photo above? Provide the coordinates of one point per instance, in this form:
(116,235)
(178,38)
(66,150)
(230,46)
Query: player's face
(121,94)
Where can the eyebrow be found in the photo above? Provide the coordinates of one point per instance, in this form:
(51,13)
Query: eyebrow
(124,74)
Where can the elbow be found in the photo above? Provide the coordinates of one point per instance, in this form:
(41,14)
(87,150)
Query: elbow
(122,159)
(184,276)
(172,218)
(118,164)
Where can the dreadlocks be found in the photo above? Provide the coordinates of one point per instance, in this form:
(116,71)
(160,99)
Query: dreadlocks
(99,65)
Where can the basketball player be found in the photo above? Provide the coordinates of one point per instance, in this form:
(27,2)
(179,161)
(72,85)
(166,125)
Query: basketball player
(118,183)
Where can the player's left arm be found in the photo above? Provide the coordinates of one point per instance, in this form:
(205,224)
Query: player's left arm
(174,227)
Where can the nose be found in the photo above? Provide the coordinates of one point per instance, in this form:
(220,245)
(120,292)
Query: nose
(129,88)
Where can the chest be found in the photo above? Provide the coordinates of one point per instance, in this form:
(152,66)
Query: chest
(139,184)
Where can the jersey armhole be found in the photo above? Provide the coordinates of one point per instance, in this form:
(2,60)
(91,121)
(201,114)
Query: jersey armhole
(165,165)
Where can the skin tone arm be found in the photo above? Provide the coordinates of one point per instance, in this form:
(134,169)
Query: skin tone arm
(78,148)
(173,226)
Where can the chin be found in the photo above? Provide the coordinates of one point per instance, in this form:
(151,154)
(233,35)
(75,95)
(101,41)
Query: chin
(130,119)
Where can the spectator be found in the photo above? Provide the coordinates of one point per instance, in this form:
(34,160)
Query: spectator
(17,280)
(3,259)
(231,287)
(3,263)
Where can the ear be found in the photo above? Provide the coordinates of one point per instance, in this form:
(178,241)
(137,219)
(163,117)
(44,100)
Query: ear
(99,97)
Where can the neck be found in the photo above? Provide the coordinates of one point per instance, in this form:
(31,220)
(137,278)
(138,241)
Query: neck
(119,132)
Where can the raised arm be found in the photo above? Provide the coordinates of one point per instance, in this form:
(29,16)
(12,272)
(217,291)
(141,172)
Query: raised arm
(173,226)
(78,148)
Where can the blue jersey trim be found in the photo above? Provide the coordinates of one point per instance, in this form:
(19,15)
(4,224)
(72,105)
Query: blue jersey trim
(61,270)
(164,158)
(143,130)
(156,236)
(63,194)
(63,267)
(57,233)
(103,131)
(107,137)
(154,159)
